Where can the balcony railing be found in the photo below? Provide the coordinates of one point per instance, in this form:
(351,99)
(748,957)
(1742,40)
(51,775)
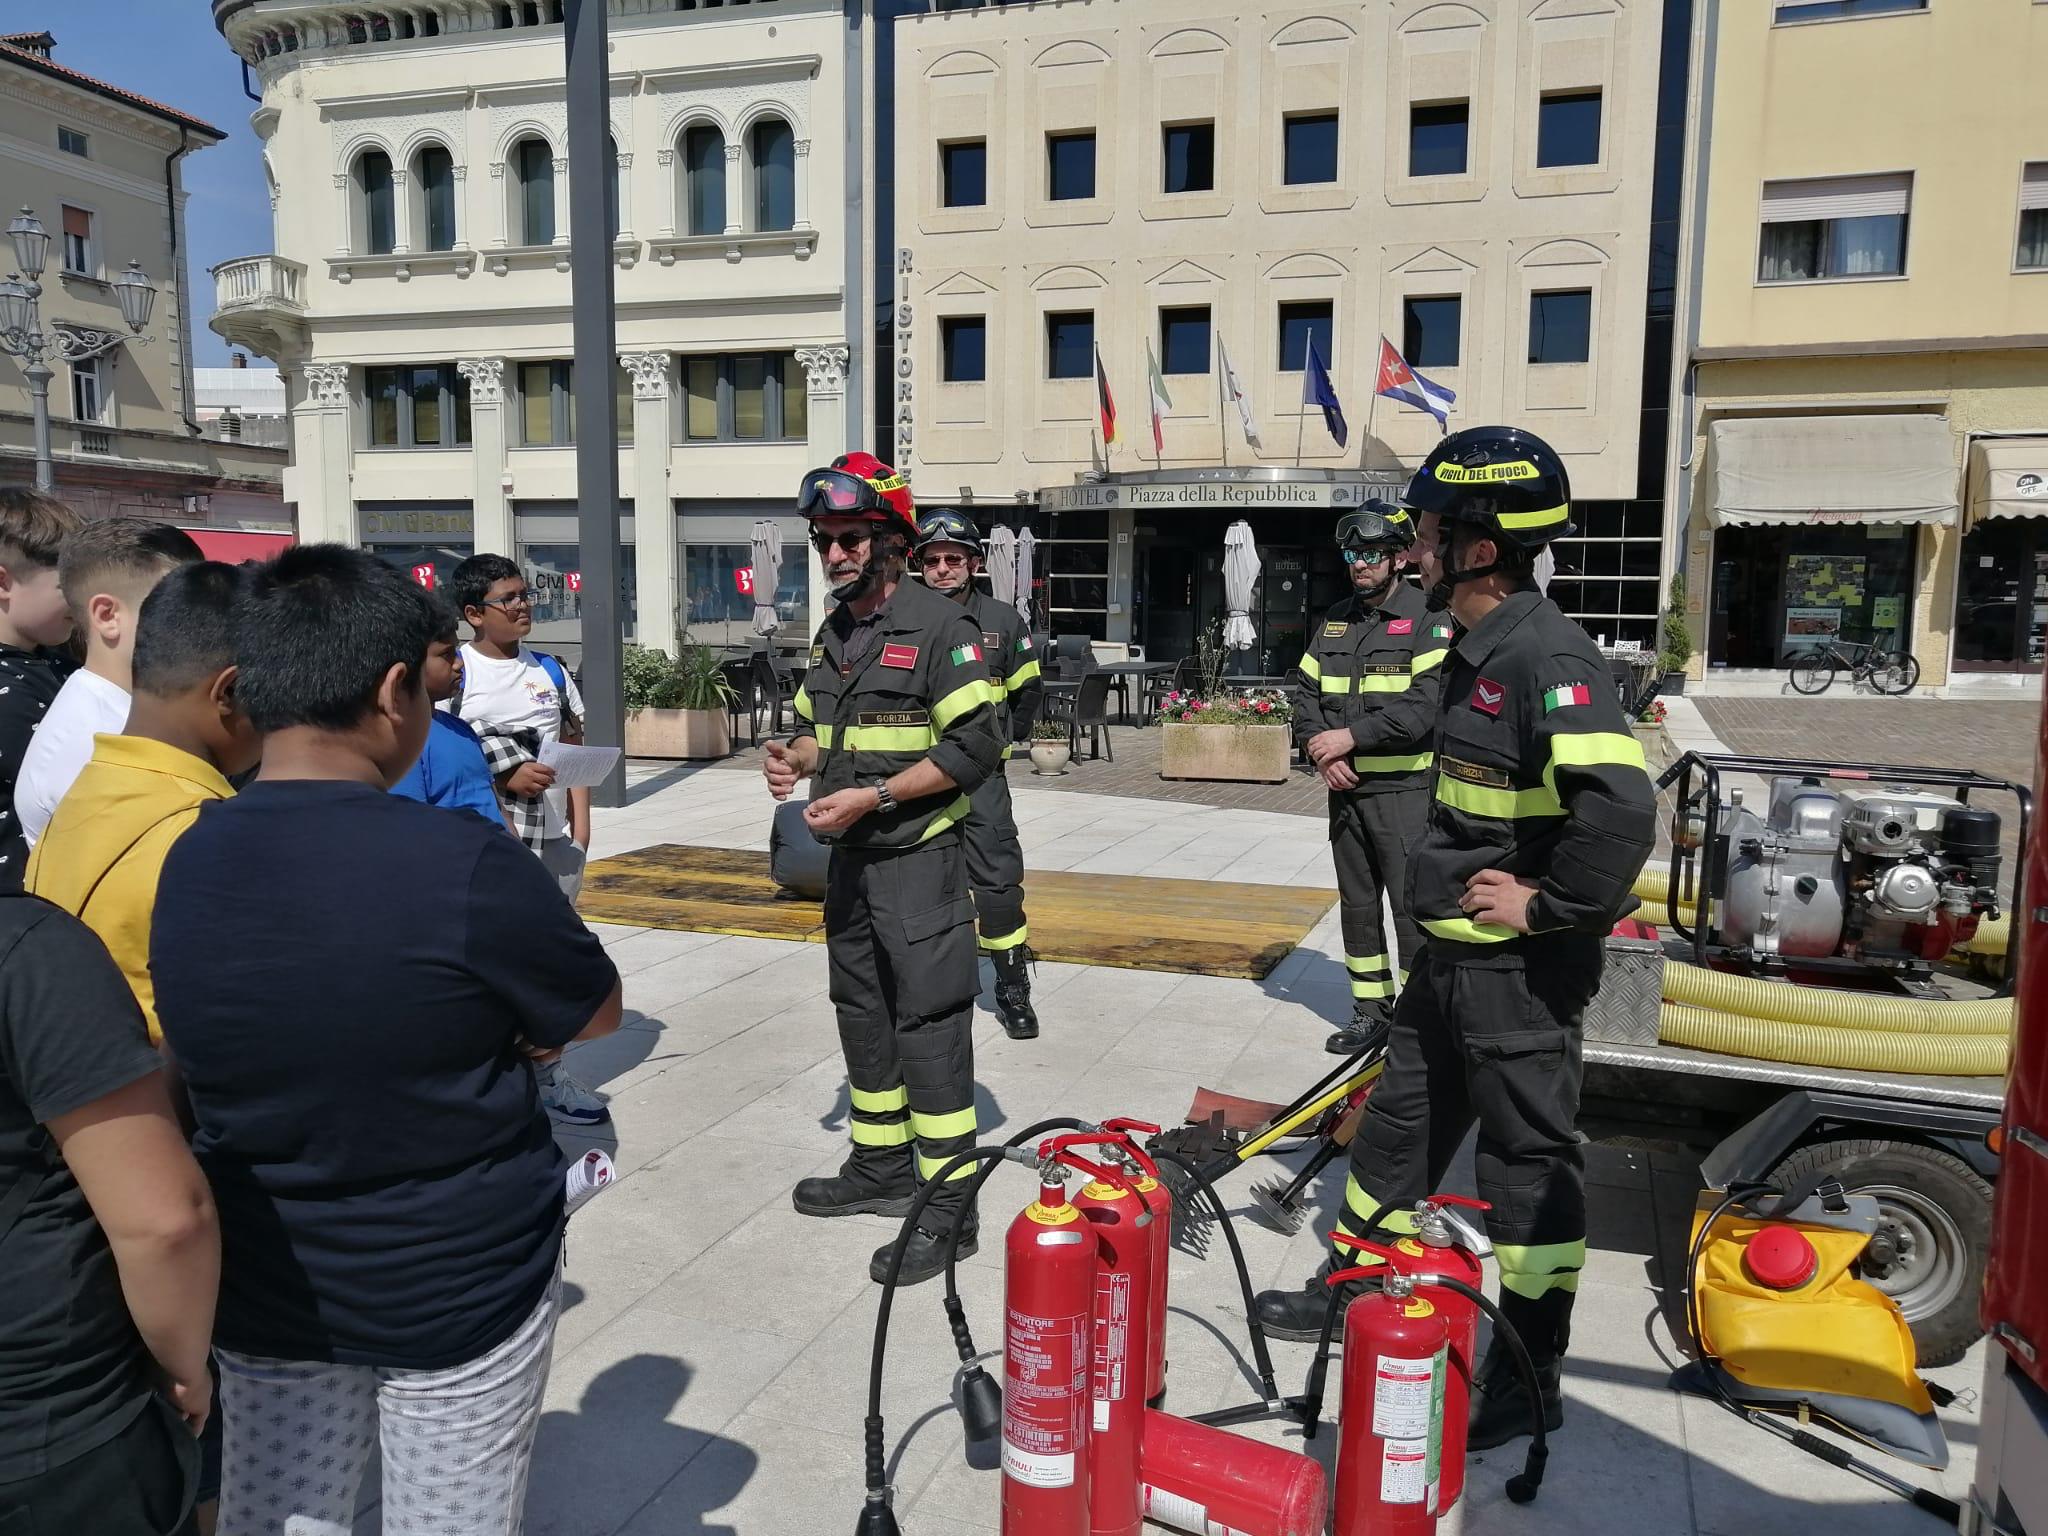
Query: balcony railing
(259,282)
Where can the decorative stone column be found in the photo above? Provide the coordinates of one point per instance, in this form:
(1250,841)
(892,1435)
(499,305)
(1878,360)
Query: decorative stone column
(321,452)
(735,191)
(825,409)
(490,504)
(656,534)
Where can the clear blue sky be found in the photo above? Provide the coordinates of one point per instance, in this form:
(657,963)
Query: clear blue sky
(169,51)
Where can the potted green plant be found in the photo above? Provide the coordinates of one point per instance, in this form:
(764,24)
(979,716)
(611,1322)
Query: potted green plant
(1674,642)
(676,709)
(1218,731)
(1051,747)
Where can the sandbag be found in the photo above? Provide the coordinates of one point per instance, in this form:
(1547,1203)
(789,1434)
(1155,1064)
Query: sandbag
(796,859)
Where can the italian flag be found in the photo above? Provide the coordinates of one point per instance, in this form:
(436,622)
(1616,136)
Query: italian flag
(1566,693)
(1161,402)
(963,654)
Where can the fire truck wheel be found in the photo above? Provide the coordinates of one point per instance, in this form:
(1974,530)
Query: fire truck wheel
(1933,1229)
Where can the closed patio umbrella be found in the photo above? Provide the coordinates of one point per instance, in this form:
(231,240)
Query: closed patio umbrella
(1027,557)
(1002,565)
(767,574)
(1240,577)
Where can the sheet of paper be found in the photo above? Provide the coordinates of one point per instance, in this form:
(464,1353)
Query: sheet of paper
(586,1176)
(577,767)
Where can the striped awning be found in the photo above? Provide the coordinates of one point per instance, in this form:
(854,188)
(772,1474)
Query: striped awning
(1832,469)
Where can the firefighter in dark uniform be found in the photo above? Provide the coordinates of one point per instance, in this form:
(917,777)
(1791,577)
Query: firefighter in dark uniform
(949,554)
(1365,704)
(897,724)
(1541,816)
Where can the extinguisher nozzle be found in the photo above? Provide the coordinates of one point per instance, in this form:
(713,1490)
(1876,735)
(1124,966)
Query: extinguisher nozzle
(877,1518)
(1523,1485)
(981,1404)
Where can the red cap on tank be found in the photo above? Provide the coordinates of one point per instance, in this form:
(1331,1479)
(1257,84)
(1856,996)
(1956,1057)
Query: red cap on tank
(1780,1258)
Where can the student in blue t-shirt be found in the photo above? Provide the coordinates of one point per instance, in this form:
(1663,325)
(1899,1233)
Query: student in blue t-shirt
(452,771)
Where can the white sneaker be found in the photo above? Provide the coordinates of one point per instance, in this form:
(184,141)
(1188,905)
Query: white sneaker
(568,1100)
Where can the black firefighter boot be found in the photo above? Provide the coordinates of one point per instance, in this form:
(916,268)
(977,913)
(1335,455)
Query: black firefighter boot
(874,1181)
(1500,1399)
(1370,1020)
(1299,1314)
(1013,992)
(925,1257)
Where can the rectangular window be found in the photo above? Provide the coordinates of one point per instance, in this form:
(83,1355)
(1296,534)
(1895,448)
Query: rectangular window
(1189,152)
(1300,323)
(1436,138)
(963,349)
(1834,228)
(87,403)
(1430,331)
(963,168)
(2032,255)
(537,405)
(1070,345)
(1069,166)
(72,142)
(745,397)
(1561,326)
(1184,339)
(436,170)
(1839,10)
(720,584)
(419,406)
(77,241)
(1568,129)
(1309,148)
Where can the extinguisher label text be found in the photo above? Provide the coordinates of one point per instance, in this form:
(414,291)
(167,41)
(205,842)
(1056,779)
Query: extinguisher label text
(1408,1414)
(1112,1342)
(1046,1372)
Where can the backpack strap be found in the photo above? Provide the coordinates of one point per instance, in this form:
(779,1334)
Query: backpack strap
(553,667)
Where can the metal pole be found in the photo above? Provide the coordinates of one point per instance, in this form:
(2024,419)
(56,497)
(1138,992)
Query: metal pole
(597,426)
(39,375)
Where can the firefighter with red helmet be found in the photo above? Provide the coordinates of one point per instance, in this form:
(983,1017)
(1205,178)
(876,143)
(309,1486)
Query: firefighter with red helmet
(1365,705)
(1541,815)
(897,727)
(949,554)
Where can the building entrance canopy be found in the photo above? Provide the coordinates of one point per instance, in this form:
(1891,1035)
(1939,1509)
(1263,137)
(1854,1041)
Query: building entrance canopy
(1224,488)
(2008,478)
(1833,469)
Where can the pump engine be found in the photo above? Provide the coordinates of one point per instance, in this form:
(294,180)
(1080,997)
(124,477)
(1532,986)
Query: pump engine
(1889,875)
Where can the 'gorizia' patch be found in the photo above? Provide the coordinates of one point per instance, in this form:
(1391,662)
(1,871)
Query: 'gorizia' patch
(1473,773)
(1566,693)
(963,654)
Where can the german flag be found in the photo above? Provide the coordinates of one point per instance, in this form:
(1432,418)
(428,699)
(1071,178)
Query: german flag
(1103,401)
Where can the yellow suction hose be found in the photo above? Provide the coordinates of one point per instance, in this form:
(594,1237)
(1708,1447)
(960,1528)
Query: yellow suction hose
(1863,1050)
(1787,1002)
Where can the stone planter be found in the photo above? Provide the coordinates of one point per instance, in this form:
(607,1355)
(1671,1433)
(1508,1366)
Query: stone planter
(678,733)
(1246,754)
(1050,756)
(1671,683)
(1656,745)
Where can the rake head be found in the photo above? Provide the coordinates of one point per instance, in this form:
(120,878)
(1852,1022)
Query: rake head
(1275,1206)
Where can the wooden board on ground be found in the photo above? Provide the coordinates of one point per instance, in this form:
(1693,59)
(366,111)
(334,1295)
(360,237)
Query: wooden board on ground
(1136,922)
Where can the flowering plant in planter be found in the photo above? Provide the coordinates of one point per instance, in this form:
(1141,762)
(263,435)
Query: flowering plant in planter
(1653,714)
(1257,706)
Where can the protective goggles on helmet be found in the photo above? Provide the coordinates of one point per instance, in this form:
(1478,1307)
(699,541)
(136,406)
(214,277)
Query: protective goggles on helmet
(1374,526)
(835,493)
(947,527)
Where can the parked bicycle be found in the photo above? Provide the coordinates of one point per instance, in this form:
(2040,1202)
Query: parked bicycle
(1814,671)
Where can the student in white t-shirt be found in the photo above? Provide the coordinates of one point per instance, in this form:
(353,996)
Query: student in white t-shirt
(106,567)
(518,701)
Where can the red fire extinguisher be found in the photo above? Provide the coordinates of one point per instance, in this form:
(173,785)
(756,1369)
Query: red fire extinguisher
(1444,1243)
(1049,1268)
(1392,1429)
(1159,1201)
(1206,1481)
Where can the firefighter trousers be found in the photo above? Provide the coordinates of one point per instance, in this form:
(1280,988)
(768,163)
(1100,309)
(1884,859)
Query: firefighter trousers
(995,865)
(1372,837)
(1488,1032)
(899,946)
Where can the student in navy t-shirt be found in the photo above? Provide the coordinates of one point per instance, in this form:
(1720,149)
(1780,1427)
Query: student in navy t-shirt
(452,771)
(356,986)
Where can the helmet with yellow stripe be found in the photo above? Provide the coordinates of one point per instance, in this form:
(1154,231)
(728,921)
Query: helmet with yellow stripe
(1507,483)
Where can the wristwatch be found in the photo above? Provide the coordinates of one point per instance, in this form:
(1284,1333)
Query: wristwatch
(884,801)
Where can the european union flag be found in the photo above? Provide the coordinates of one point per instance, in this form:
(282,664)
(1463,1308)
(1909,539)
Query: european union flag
(1316,390)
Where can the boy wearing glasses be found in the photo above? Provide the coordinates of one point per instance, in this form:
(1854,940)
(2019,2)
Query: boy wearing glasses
(1365,703)
(518,700)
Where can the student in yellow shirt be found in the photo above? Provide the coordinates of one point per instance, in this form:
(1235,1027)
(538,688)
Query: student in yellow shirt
(104,848)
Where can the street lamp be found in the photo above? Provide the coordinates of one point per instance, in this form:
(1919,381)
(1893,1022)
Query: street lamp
(22,334)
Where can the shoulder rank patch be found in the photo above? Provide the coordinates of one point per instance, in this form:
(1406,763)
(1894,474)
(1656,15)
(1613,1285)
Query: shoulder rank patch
(1335,631)
(902,657)
(1488,696)
(817,654)
(991,642)
(1400,626)
(1564,694)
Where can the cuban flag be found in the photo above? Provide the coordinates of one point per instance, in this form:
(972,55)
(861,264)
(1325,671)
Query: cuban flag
(1397,381)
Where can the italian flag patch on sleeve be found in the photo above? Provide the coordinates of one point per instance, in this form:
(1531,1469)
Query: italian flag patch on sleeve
(1566,693)
(963,654)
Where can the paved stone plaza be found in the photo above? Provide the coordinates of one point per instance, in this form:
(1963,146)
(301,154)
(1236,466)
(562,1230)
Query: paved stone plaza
(712,1363)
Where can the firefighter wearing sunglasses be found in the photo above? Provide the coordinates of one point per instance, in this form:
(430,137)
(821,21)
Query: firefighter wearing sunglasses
(1540,817)
(898,726)
(949,554)
(1365,704)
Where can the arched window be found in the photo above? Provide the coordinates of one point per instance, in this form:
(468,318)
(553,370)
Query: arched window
(704,177)
(376,204)
(533,191)
(774,154)
(433,172)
